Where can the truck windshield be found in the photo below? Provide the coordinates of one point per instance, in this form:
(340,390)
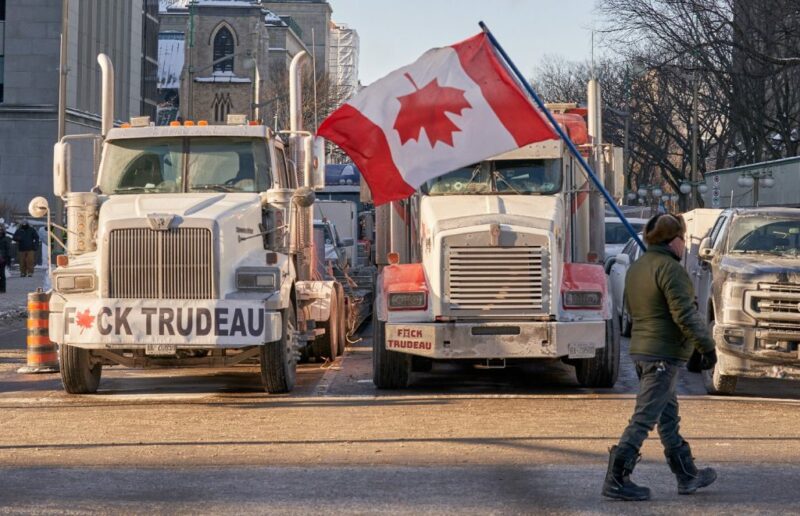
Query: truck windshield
(537,176)
(169,165)
(765,235)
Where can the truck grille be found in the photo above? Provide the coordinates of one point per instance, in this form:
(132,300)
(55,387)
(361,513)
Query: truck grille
(172,264)
(496,278)
(774,306)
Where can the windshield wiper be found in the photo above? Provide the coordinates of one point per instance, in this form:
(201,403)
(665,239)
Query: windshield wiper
(497,175)
(129,189)
(215,188)
(475,173)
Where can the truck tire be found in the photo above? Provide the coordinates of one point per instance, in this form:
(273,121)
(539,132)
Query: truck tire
(327,344)
(78,375)
(390,369)
(602,370)
(626,325)
(720,384)
(279,358)
(342,323)
(713,381)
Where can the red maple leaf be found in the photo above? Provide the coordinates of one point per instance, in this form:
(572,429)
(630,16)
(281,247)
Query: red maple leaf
(426,109)
(84,319)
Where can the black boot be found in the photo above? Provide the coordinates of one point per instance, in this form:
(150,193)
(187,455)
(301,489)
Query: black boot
(690,479)
(618,484)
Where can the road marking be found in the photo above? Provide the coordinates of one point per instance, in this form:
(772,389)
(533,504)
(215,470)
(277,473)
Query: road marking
(111,398)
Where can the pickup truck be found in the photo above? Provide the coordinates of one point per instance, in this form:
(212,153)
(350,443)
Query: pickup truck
(746,273)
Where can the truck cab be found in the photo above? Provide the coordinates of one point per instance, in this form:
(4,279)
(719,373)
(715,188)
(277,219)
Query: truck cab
(490,266)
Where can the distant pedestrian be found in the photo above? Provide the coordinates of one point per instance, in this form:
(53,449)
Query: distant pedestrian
(667,328)
(5,256)
(27,240)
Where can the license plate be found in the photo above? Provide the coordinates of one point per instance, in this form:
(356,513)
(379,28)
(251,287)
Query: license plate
(580,350)
(160,349)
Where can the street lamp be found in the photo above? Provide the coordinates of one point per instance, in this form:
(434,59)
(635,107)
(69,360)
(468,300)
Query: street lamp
(756,179)
(686,187)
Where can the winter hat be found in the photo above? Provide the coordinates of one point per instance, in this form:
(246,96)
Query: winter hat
(663,228)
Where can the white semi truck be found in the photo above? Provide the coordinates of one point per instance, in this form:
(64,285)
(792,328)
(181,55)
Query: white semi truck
(495,264)
(193,248)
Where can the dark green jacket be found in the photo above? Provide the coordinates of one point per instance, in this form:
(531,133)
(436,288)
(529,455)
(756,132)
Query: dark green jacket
(660,300)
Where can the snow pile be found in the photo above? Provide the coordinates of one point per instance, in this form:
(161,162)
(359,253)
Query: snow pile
(166,5)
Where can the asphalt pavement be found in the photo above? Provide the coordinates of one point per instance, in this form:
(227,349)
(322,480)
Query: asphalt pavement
(458,441)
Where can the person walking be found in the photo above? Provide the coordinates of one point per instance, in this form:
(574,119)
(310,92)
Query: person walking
(667,329)
(5,256)
(27,240)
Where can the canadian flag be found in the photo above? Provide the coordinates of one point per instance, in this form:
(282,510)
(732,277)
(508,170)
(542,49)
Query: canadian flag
(453,107)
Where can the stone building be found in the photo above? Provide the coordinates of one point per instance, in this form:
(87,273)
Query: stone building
(29,73)
(269,33)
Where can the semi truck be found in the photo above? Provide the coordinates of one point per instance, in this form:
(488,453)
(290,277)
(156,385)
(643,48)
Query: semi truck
(496,264)
(193,248)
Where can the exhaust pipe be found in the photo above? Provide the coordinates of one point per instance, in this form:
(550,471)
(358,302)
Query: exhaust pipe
(295,91)
(107,102)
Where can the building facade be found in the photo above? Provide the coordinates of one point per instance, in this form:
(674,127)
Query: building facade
(343,50)
(29,72)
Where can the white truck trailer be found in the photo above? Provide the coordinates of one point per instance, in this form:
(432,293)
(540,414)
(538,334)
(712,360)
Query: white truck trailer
(492,264)
(193,248)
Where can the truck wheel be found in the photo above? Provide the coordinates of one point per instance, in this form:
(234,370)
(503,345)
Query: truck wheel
(390,369)
(342,323)
(327,344)
(279,358)
(602,370)
(716,383)
(626,323)
(78,374)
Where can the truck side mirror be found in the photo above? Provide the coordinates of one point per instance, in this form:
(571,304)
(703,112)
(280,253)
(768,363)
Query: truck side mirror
(706,252)
(314,162)
(623,259)
(61,169)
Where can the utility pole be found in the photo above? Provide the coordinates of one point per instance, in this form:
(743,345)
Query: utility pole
(695,176)
(62,71)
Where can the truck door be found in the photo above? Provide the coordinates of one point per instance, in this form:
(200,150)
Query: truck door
(701,277)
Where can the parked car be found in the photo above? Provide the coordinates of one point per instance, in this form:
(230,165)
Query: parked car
(619,269)
(617,236)
(747,279)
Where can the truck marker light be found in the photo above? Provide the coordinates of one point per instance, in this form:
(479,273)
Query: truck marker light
(393,258)
(174,123)
(202,123)
(62,260)
(188,123)
(126,125)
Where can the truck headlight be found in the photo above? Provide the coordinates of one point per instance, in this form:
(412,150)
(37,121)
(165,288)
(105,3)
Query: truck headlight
(583,299)
(257,278)
(75,283)
(408,301)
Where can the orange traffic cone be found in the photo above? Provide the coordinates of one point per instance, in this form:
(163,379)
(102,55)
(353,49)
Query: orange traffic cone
(42,353)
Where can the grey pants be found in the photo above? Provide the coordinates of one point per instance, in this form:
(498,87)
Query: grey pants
(656,404)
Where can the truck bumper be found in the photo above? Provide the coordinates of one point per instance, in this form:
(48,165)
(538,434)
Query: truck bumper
(751,352)
(186,324)
(487,340)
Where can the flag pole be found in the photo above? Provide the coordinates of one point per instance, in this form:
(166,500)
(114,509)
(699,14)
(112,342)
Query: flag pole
(572,148)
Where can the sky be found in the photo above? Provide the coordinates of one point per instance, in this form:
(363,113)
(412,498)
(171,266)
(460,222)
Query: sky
(395,33)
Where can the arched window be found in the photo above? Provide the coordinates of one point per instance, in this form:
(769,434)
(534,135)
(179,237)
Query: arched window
(223,46)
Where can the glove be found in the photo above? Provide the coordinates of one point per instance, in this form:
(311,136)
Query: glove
(700,362)
(708,359)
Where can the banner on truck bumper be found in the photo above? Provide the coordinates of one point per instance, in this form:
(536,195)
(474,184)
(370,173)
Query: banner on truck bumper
(181,322)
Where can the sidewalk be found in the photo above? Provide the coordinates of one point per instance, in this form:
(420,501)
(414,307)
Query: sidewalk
(13,303)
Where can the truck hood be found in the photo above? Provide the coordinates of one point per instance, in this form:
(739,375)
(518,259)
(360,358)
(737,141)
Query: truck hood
(207,206)
(449,211)
(779,268)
